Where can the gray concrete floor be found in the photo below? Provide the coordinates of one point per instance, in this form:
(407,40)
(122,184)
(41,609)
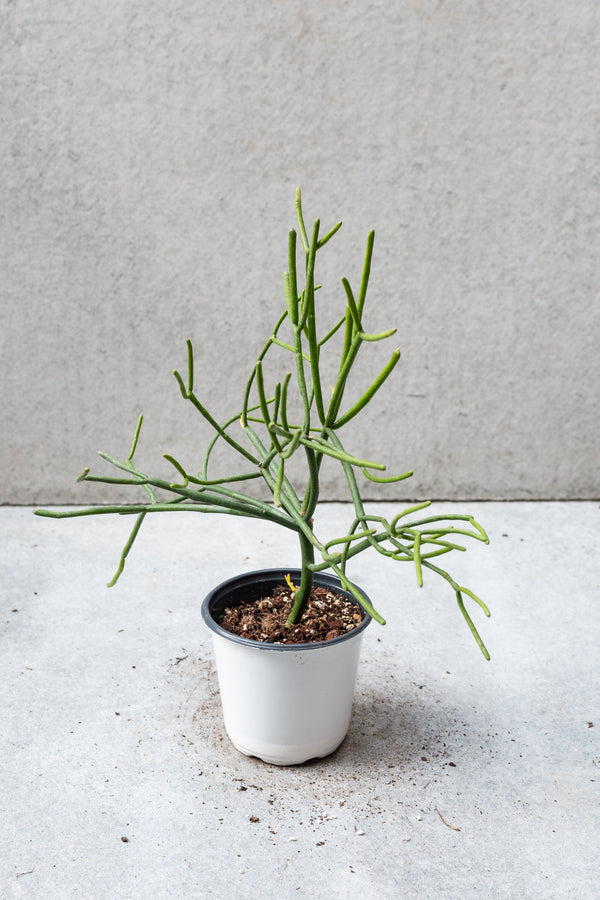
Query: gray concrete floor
(459,778)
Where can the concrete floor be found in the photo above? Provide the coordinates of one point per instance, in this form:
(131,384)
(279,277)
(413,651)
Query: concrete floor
(459,778)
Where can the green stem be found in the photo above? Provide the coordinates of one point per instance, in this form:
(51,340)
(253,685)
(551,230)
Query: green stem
(358,595)
(306,582)
(261,356)
(366,272)
(128,545)
(338,391)
(174,506)
(370,392)
(288,497)
(300,219)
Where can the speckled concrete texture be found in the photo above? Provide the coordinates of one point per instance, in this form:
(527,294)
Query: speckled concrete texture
(459,778)
(150,153)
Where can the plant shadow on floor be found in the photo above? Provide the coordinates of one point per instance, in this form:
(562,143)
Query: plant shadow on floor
(404,729)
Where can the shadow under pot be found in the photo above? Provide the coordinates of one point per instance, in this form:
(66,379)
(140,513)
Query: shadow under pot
(284,703)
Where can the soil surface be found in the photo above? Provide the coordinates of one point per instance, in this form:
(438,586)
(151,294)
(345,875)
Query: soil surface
(328,615)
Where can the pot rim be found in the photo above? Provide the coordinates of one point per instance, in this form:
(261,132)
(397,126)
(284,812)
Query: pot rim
(322,579)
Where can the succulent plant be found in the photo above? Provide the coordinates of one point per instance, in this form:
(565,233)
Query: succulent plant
(272,425)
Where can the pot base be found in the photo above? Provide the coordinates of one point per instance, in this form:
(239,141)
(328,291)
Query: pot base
(283,757)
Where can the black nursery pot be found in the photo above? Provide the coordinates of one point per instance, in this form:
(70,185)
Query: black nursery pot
(251,586)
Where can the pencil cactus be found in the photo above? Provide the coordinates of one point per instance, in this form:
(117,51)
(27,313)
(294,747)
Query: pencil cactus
(264,433)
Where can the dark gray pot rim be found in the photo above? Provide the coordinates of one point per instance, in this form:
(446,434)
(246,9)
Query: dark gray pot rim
(252,583)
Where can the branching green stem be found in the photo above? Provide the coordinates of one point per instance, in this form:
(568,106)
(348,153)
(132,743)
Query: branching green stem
(297,421)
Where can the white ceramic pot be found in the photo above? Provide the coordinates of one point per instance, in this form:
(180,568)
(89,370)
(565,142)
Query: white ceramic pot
(284,703)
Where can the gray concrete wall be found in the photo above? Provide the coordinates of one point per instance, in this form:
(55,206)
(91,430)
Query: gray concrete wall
(150,153)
